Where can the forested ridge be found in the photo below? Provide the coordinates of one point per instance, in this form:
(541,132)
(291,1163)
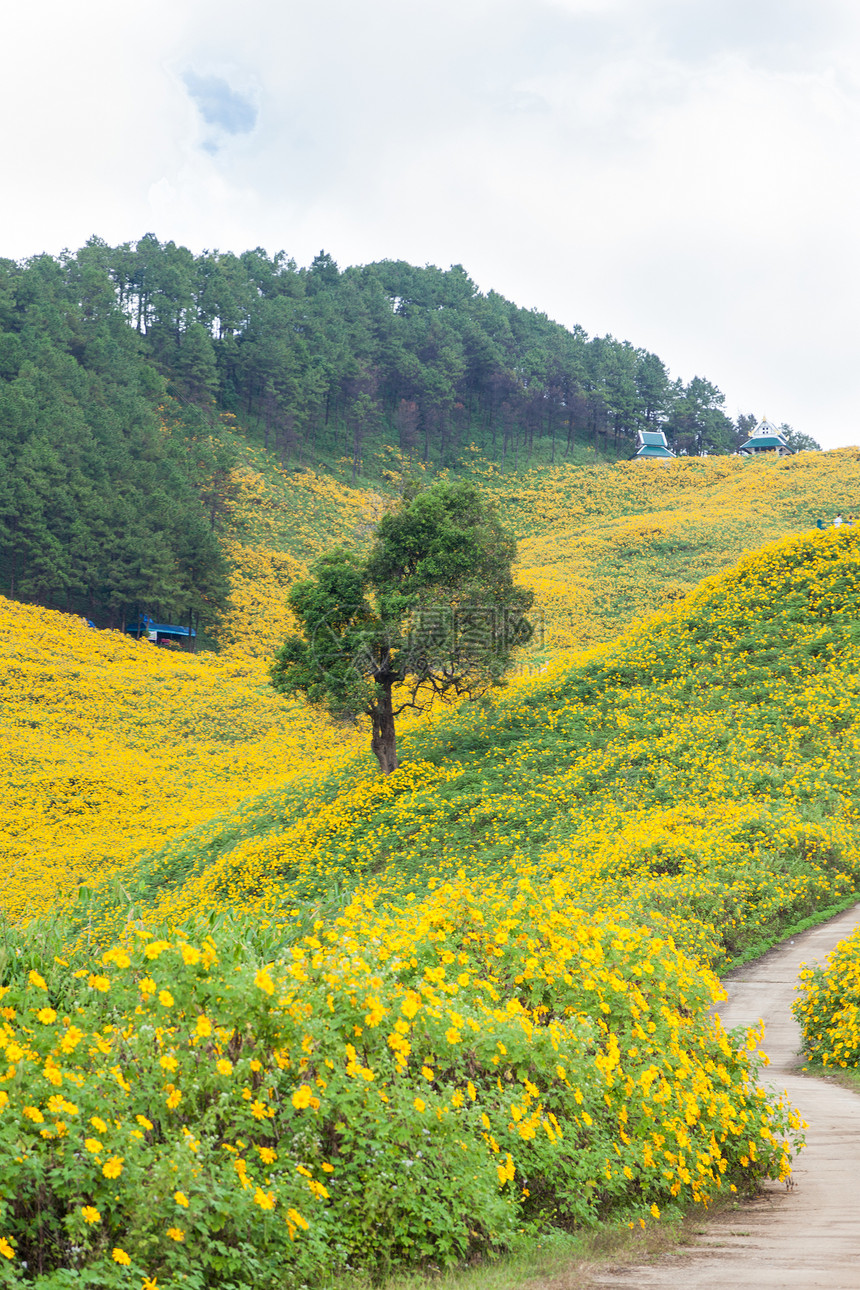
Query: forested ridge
(118,363)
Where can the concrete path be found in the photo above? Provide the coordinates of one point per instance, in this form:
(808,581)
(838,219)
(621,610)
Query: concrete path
(806,1237)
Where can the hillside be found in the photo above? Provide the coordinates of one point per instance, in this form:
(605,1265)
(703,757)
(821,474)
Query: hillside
(601,544)
(95,722)
(487,975)
(700,772)
(110,747)
(136,381)
(247,982)
(113,747)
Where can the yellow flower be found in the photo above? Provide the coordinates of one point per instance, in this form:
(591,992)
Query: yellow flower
(93,1145)
(174,1098)
(265,1199)
(203,1027)
(176,1233)
(46,1016)
(120,1256)
(38,980)
(98,1124)
(181,1199)
(293,1216)
(33,1113)
(302,1097)
(6,1249)
(263,981)
(165,998)
(117,956)
(91,1214)
(100,983)
(419,1104)
(411,1003)
(143,1122)
(113,1168)
(71,1039)
(224,1067)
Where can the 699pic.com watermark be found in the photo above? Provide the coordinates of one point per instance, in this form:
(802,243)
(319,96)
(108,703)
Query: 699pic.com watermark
(484,629)
(429,638)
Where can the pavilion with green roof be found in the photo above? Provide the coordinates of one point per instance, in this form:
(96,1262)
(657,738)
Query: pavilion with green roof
(765,438)
(652,444)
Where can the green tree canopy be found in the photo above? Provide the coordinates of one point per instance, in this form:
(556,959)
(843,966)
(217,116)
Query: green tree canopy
(798,441)
(432,611)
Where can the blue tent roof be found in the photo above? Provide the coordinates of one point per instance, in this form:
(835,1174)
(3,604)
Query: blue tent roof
(172,628)
(146,625)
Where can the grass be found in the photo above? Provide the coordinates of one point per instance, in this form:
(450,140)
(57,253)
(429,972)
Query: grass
(845,1076)
(567,1260)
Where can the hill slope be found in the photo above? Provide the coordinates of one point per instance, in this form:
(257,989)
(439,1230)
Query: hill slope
(110,747)
(119,367)
(472,976)
(700,773)
(600,544)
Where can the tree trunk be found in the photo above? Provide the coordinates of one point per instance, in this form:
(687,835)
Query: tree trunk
(384,741)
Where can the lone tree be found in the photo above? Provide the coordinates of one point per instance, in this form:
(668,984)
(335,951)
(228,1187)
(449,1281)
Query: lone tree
(432,611)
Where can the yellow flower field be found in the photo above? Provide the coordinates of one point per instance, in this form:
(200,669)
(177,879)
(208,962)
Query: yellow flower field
(111,746)
(248,979)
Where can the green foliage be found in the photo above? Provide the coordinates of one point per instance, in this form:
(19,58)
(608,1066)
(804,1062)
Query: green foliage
(99,511)
(181,1111)
(433,610)
(317,361)
(828,1007)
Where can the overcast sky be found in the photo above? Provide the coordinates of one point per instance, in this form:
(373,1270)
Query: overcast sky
(680,173)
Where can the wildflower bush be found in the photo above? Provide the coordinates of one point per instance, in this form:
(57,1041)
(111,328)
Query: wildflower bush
(828,1006)
(396,1087)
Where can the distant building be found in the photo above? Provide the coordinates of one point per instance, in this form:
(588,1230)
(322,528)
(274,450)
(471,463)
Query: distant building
(765,438)
(652,444)
(169,634)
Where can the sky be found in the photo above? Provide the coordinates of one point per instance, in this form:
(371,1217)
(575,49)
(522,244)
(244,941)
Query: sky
(681,174)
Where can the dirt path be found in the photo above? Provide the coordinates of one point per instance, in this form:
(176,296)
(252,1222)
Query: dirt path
(809,1236)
